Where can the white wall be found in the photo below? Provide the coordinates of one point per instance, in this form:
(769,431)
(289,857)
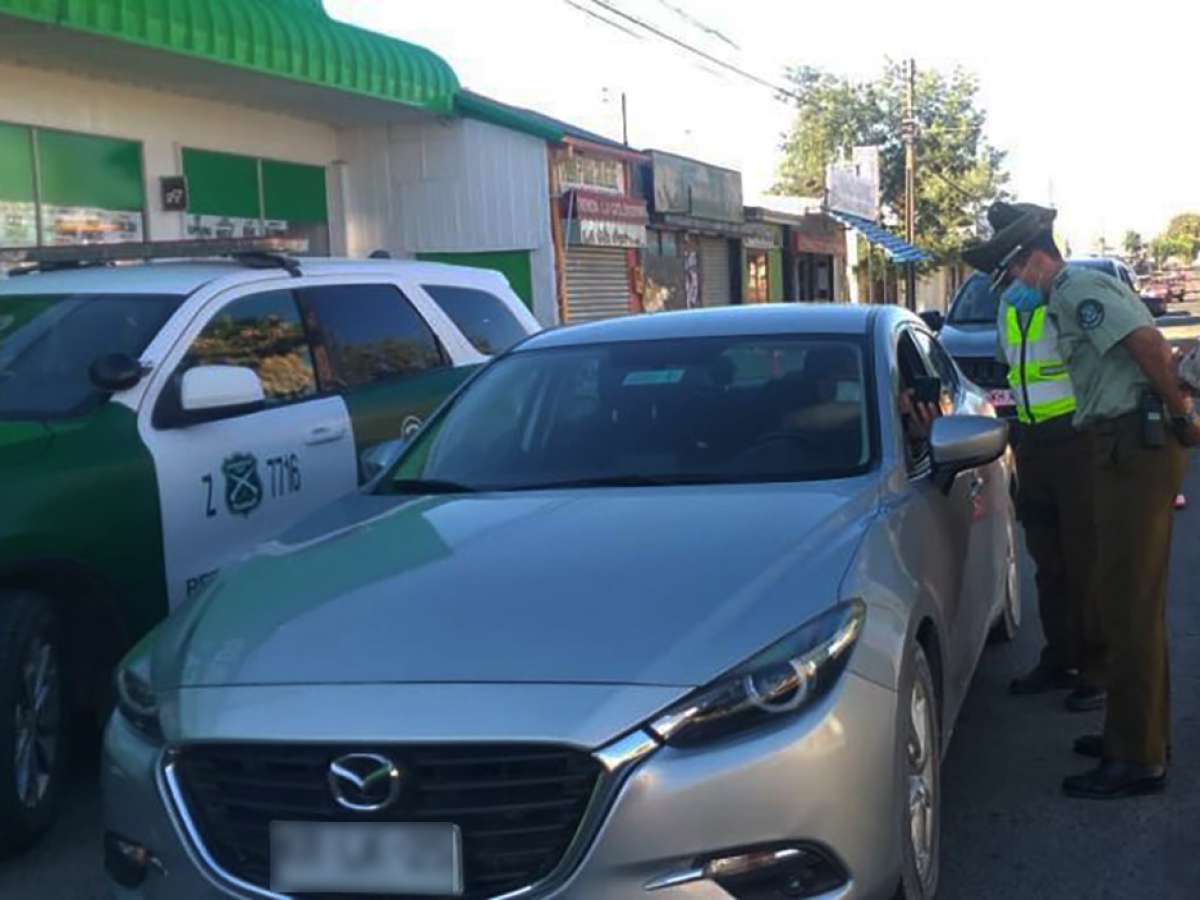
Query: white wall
(450,186)
(165,124)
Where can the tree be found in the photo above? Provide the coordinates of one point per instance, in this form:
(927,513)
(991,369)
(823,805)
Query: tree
(959,171)
(1133,243)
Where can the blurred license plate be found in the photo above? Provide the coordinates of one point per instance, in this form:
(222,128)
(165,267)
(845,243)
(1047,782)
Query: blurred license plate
(1001,398)
(366,858)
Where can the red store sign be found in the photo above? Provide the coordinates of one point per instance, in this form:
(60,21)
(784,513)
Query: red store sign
(597,206)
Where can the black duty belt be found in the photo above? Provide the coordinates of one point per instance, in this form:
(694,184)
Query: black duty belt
(1054,431)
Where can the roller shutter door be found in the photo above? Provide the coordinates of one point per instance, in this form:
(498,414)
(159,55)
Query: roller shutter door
(714,272)
(597,284)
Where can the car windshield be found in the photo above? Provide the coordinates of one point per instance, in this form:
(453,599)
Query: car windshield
(977,303)
(691,411)
(49,341)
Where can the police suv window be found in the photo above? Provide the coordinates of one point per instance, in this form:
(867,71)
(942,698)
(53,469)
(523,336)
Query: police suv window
(484,318)
(262,332)
(370,333)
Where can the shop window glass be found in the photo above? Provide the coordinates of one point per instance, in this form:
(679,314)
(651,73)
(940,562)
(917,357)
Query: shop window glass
(758,288)
(371,333)
(18,209)
(91,188)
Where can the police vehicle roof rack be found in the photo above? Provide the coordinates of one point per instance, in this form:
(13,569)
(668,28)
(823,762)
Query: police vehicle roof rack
(255,253)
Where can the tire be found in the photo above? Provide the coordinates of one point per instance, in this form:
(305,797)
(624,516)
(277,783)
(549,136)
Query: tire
(920,775)
(33,719)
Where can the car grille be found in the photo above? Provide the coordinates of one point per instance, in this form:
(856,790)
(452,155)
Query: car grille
(987,373)
(518,807)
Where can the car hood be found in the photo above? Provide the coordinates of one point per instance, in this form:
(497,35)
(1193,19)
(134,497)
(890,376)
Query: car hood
(650,586)
(969,339)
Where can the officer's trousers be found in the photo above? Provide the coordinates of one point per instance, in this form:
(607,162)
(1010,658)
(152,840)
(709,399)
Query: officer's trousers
(1135,487)
(1054,503)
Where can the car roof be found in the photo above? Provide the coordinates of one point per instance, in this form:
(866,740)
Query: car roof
(184,278)
(719,322)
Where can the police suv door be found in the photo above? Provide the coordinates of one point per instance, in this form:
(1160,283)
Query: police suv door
(228,483)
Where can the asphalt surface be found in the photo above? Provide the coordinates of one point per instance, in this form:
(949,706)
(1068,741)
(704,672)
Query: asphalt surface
(1007,832)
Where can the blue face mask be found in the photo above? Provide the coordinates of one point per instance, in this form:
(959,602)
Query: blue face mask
(1022,297)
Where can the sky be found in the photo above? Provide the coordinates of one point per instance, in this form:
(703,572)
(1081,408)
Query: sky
(1093,102)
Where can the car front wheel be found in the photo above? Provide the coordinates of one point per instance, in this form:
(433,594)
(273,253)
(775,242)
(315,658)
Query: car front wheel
(920,773)
(32,720)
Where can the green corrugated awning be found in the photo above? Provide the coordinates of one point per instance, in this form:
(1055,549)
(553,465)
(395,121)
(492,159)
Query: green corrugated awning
(293,39)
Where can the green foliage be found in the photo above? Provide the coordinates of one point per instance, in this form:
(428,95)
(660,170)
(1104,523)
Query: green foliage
(1132,243)
(959,173)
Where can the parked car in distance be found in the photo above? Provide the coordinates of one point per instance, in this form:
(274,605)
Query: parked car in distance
(158,420)
(681,604)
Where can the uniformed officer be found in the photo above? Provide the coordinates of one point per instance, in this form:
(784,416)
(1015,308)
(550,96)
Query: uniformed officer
(1130,403)
(1053,491)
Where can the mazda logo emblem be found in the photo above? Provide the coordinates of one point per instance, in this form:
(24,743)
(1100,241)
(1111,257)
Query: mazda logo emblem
(364,782)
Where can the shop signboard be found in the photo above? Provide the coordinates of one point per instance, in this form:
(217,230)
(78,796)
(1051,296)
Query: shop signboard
(818,234)
(592,173)
(209,227)
(852,186)
(760,236)
(18,224)
(596,219)
(686,187)
(89,225)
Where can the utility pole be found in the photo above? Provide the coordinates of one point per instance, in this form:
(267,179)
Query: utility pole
(624,120)
(910,175)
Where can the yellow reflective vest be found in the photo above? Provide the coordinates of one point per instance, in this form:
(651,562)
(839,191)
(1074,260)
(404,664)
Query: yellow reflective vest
(1038,377)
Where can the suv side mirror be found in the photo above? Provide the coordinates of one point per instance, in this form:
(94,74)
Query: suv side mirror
(376,460)
(116,372)
(959,443)
(933,318)
(208,390)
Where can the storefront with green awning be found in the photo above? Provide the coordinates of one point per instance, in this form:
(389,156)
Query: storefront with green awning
(158,120)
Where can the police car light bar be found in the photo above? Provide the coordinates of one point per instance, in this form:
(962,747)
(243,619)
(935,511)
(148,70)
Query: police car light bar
(99,254)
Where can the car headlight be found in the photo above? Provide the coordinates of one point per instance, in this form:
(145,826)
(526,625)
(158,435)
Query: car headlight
(784,679)
(136,699)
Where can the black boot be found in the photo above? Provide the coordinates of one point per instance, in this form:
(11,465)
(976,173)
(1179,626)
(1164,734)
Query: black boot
(1090,745)
(1086,698)
(1041,679)
(1112,780)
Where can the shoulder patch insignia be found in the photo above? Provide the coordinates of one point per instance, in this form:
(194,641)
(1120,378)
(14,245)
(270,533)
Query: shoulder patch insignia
(1090,314)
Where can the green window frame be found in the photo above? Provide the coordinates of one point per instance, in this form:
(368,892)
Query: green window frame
(64,187)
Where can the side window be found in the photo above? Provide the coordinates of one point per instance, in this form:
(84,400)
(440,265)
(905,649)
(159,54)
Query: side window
(940,361)
(262,332)
(912,365)
(369,333)
(482,317)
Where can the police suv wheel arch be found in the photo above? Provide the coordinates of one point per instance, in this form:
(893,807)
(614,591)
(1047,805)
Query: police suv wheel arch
(33,718)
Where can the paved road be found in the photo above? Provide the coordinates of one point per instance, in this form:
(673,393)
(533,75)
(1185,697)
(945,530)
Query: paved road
(1008,832)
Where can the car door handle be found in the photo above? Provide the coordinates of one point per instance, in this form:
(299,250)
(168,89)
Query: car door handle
(325,434)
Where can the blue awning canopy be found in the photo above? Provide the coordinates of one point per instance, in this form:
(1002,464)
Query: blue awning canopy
(897,249)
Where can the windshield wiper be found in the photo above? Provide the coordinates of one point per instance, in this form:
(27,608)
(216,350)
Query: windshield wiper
(428,486)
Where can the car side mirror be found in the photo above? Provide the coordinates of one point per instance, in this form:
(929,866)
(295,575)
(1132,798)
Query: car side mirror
(933,318)
(207,392)
(375,461)
(958,443)
(116,372)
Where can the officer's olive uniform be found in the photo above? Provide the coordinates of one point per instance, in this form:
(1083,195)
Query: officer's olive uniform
(1054,495)
(1134,487)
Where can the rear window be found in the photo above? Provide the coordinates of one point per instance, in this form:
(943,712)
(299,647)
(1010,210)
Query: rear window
(49,341)
(976,303)
(483,318)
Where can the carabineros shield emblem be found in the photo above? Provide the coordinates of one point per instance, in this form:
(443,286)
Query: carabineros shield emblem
(243,488)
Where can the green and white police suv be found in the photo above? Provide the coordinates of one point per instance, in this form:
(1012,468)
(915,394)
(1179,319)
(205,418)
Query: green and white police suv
(159,419)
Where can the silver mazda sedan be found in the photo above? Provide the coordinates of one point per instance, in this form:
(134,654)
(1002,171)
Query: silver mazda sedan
(680,606)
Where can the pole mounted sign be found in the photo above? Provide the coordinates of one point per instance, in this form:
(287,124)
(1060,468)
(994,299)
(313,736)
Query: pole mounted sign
(852,186)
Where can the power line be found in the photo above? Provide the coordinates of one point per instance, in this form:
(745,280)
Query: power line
(600,18)
(702,26)
(678,42)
